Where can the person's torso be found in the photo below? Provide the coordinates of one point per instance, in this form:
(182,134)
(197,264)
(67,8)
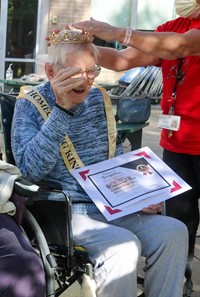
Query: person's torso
(88,133)
(187,102)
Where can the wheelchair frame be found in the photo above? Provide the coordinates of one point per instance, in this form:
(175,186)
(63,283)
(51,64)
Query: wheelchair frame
(63,263)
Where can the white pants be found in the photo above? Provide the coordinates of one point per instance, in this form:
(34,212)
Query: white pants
(115,247)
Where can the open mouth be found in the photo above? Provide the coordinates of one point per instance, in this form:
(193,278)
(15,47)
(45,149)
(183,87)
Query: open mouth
(79,90)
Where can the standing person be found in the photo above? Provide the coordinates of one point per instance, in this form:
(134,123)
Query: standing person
(175,47)
(76,127)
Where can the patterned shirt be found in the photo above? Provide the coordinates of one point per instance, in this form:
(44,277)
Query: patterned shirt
(36,144)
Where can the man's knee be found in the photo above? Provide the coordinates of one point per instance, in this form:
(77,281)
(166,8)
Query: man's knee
(176,234)
(128,249)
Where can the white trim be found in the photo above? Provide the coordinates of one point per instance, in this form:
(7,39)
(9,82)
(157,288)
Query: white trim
(3,26)
(41,44)
(42,27)
(3,22)
(19,60)
(134,14)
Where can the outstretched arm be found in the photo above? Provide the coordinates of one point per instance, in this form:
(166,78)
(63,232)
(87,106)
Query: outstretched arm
(125,59)
(167,45)
(147,46)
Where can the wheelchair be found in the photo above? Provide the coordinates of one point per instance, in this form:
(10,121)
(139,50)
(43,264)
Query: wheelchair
(63,262)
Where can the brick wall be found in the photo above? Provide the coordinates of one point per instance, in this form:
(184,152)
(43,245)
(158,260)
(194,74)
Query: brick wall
(68,11)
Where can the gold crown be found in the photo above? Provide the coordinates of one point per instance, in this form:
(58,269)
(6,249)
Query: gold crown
(70,36)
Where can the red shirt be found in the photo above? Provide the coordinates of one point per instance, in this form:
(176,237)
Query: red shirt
(187,104)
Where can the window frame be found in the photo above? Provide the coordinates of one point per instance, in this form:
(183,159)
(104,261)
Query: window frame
(41,47)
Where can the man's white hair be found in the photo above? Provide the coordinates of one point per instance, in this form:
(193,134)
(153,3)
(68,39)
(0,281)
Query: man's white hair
(59,54)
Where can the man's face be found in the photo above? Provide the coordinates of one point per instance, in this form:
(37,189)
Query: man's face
(84,61)
(71,81)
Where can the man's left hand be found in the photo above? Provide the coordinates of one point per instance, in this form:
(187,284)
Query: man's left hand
(153,208)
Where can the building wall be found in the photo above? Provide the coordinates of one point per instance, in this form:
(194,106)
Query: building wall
(68,11)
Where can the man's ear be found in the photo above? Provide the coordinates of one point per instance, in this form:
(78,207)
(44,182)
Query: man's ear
(49,71)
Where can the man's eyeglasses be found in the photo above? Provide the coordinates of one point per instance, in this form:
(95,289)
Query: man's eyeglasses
(91,72)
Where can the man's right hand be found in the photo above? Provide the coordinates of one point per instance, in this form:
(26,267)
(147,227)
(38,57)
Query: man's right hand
(63,83)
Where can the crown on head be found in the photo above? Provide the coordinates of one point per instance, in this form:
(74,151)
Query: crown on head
(70,36)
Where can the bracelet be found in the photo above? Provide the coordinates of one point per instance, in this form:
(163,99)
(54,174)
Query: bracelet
(127,37)
(65,110)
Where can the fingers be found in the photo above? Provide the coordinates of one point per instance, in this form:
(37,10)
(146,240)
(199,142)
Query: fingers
(101,30)
(68,27)
(62,91)
(63,82)
(63,74)
(153,208)
(67,72)
(64,79)
(157,206)
(85,26)
(48,41)
(66,86)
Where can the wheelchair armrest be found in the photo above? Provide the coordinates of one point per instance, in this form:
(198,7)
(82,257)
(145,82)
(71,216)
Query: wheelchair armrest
(25,188)
(51,215)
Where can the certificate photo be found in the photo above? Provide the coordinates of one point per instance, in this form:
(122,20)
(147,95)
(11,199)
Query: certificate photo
(129,182)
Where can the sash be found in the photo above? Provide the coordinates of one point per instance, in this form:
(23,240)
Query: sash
(68,152)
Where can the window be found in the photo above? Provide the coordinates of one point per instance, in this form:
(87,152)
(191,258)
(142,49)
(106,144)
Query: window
(116,12)
(21,36)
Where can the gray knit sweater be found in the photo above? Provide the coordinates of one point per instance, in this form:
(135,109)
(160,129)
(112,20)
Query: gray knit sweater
(36,144)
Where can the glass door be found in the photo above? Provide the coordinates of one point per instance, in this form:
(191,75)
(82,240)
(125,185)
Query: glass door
(21,36)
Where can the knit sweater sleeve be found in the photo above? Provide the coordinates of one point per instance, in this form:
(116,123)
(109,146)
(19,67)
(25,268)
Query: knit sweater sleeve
(35,143)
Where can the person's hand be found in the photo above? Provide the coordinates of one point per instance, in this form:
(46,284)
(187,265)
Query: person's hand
(63,83)
(153,208)
(101,30)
